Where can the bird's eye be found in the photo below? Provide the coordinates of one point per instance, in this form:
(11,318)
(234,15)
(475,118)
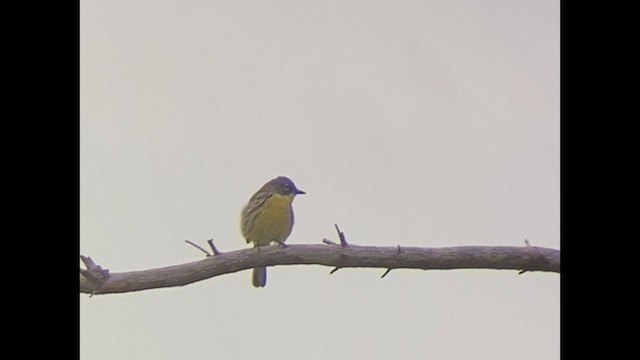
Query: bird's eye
(287,188)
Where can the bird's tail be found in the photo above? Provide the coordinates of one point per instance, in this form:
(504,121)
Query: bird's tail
(259,278)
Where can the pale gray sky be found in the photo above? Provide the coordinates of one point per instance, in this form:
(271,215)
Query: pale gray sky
(419,123)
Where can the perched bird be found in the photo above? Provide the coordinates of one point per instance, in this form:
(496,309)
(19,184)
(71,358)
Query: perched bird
(268,217)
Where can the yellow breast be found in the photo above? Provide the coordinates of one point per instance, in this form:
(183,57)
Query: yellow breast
(274,222)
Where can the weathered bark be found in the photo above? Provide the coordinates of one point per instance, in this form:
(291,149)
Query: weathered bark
(525,258)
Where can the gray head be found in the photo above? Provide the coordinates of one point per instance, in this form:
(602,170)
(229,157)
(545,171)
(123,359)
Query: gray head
(282,185)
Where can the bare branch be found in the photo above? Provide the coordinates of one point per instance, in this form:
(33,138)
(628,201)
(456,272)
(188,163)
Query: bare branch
(213,247)
(343,239)
(385,273)
(328,242)
(352,256)
(197,247)
(94,274)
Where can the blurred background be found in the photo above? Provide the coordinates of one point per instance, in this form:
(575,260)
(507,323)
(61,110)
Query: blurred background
(419,123)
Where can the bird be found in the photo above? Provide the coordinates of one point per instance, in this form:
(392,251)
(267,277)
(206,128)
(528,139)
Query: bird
(268,217)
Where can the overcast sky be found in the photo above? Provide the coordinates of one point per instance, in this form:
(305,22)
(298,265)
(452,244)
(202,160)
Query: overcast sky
(419,123)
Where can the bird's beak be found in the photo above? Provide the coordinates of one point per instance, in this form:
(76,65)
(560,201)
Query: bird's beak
(300,192)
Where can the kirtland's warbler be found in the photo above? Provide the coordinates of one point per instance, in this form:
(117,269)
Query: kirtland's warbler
(268,217)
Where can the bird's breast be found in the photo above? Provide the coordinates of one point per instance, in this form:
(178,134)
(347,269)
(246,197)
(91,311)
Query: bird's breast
(275,221)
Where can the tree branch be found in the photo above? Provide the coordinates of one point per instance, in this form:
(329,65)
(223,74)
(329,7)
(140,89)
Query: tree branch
(522,258)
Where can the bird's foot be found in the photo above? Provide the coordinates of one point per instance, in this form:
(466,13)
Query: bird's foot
(281,244)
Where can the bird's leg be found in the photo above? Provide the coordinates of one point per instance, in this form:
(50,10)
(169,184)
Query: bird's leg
(281,243)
